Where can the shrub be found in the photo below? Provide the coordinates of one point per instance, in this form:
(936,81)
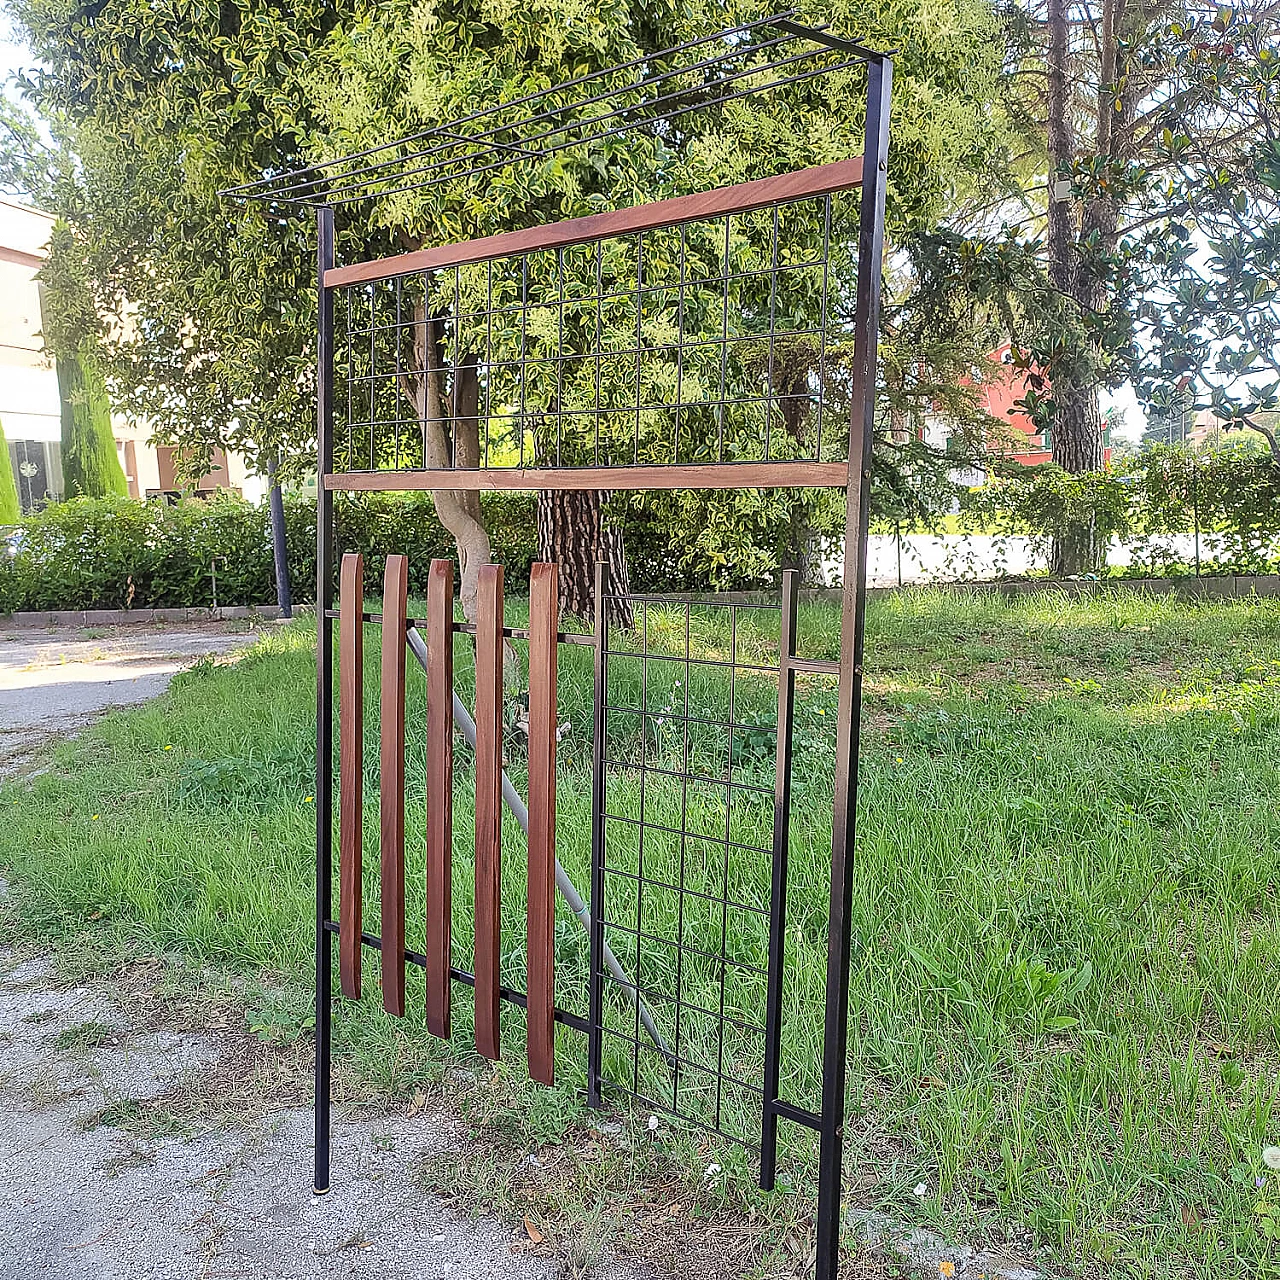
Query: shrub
(115,553)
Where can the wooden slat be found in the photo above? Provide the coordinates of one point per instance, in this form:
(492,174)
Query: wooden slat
(439,796)
(395,597)
(488,866)
(711,475)
(821,180)
(544,616)
(351,770)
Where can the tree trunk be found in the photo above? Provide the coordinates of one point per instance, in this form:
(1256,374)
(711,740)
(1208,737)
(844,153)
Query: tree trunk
(1077,447)
(459,512)
(573,533)
(1077,420)
(801,548)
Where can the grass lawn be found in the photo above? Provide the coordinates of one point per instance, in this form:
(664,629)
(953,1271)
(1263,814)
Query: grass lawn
(1066,912)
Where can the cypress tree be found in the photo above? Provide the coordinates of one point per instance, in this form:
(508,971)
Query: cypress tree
(90,467)
(10,512)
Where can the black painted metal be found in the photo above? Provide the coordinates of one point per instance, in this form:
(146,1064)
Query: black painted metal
(853,615)
(595,1016)
(548,127)
(764,55)
(324,700)
(703,1081)
(518,998)
(714,308)
(778,888)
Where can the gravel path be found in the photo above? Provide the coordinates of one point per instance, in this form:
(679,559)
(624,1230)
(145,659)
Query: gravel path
(56,681)
(87,1190)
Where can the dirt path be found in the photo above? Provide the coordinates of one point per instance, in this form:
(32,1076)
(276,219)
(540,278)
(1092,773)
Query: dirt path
(105,1171)
(54,682)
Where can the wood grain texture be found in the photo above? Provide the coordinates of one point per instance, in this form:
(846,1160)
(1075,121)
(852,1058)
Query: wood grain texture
(395,598)
(821,180)
(544,623)
(351,770)
(710,475)
(439,797)
(488,863)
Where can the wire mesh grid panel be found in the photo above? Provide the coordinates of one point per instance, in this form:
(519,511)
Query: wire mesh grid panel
(724,339)
(685,823)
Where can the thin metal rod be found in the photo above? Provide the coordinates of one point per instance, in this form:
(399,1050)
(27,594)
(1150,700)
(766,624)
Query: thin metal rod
(778,890)
(568,891)
(453,125)
(849,711)
(595,1013)
(519,998)
(361,191)
(324,699)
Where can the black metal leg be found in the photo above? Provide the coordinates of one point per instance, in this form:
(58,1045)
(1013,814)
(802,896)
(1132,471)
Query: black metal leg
(595,1030)
(861,429)
(778,892)
(324,703)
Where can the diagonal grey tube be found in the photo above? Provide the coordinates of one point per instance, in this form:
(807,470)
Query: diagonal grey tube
(462,718)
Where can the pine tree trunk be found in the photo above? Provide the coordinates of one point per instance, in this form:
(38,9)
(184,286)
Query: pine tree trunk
(1077,420)
(1077,447)
(573,534)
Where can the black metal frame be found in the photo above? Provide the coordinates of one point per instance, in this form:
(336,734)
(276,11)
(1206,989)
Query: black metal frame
(717,779)
(643,96)
(601,427)
(493,140)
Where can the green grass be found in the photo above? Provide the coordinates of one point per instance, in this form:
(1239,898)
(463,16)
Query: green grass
(1065,896)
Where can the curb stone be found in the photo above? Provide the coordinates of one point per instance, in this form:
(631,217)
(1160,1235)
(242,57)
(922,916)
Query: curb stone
(26,620)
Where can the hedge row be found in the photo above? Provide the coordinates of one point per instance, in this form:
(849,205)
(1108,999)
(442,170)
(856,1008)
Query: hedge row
(112,553)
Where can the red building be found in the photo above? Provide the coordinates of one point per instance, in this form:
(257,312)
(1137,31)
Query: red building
(999,390)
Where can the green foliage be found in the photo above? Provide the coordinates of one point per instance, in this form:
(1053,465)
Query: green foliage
(10,513)
(90,465)
(163,105)
(1156,262)
(1210,316)
(116,553)
(1232,495)
(724,540)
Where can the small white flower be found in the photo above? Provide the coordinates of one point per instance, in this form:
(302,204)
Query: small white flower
(1271,1157)
(712,1170)
(653,1124)
(921,1191)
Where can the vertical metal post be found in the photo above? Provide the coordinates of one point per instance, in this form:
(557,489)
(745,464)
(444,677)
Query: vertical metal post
(595,1029)
(778,891)
(861,431)
(324,695)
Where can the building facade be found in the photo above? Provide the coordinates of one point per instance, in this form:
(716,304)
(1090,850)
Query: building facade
(30,403)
